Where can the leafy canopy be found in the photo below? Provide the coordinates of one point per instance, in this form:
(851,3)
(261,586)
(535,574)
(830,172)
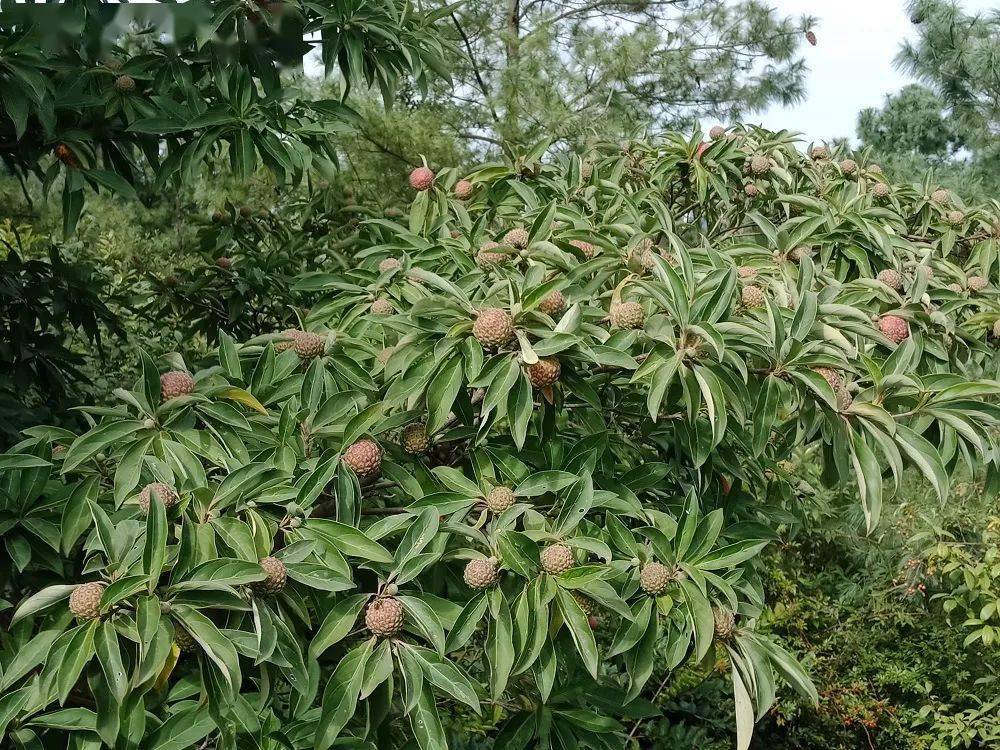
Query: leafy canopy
(303,542)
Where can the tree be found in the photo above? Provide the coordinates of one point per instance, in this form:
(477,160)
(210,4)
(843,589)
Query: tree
(568,70)
(526,447)
(955,54)
(950,120)
(912,121)
(105,95)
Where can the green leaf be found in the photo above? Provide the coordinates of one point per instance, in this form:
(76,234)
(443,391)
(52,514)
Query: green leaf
(154,552)
(338,622)
(349,540)
(45,598)
(445,676)
(341,695)
(579,628)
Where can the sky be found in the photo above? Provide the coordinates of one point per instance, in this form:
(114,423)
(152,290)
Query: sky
(851,66)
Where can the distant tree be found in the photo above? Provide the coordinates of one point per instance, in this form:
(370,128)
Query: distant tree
(912,121)
(949,121)
(568,69)
(956,55)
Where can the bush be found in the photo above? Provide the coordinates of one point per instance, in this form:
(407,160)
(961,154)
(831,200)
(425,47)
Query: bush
(531,478)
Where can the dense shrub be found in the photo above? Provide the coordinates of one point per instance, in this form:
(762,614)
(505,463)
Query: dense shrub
(519,461)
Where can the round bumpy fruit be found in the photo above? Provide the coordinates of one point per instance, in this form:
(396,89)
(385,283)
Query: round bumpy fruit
(309,345)
(819,152)
(493,327)
(750,190)
(364,458)
(830,376)
(716,132)
(746,272)
(277,577)
(891,279)
(185,643)
(481,574)
(544,372)
(799,253)
(941,196)
(654,578)
(996,330)
(389,264)
(588,605)
(125,84)
(977,284)
(556,559)
(223,262)
(627,315)
(760,164)
(725,623)
(415,440)
(421,179)
(175,383)
(955,217)
(956,287)
(499,499)
(881,190)
(552,303)
(894,328)
(488,257)
(167,494)
(85,600)
(848,166)
(844,399)
(752,296)
(586,248)
(382,306)
(463,189)
(517,237)
(384,616)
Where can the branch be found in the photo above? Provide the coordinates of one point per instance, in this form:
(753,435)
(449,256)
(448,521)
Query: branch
(475,68)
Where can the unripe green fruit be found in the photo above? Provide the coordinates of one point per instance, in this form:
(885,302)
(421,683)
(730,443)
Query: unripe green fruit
(415,440)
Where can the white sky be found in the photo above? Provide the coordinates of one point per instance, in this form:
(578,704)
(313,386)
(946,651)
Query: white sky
(851,66)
